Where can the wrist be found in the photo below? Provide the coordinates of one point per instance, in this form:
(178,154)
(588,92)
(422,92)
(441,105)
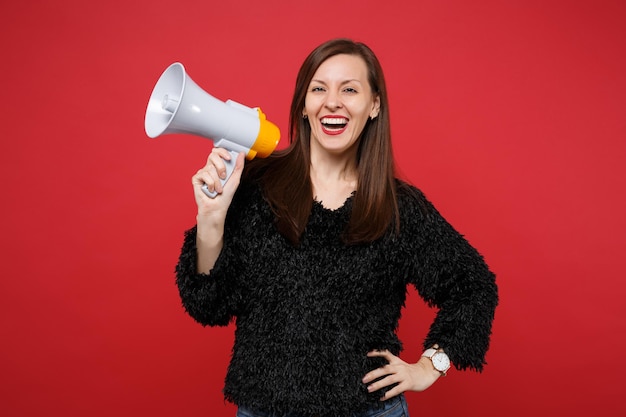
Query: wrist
(211,216)
(439,360)
(427,365)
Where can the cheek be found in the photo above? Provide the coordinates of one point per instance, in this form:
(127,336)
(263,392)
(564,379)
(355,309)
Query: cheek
(362,114)
(361,109)
(311,105)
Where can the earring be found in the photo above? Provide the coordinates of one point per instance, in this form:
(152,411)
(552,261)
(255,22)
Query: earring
(304,116)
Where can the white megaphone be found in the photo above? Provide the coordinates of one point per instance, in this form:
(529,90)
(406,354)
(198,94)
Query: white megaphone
(178,105)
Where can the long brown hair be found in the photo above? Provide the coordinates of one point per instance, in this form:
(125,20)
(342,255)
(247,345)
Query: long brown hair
(285,175)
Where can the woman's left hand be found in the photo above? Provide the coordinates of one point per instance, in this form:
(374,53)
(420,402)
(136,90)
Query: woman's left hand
(409,377)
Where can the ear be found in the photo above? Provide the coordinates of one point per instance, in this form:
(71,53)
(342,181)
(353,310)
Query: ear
(375,108)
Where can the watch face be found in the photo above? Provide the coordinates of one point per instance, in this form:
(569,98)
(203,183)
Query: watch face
(441,362)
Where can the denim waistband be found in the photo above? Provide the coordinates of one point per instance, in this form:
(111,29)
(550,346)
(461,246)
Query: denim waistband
(394,407)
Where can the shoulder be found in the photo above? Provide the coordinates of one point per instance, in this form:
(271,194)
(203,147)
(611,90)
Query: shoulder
(418,214)
(412,201)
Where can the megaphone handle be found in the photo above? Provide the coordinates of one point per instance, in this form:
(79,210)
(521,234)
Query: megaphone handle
(230,167)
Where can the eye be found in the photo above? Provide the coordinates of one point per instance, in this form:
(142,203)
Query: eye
(350,90)
(317,89)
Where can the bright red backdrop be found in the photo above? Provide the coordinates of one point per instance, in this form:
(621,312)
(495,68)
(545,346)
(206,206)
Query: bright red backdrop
(509,115)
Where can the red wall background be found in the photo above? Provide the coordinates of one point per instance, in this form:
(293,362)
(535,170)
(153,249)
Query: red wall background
(510,116)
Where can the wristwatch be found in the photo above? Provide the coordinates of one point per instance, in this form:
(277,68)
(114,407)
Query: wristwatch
(440,360)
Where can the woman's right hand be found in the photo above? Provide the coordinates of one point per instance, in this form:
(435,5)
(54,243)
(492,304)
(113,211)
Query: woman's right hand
(212,211)
(211,175)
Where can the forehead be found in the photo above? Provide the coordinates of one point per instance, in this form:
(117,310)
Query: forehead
(342,67)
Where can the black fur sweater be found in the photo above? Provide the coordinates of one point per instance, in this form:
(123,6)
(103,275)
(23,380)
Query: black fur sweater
(307,316)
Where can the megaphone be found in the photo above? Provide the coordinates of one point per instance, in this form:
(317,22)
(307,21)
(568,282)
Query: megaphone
(178,105)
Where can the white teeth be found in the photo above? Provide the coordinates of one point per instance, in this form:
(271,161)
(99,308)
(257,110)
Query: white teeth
(334,121)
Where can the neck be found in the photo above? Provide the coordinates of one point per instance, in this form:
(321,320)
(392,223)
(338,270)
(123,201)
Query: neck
(332,168)
(333,179)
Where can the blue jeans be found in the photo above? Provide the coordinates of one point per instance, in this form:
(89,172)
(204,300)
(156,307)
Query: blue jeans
(395,407)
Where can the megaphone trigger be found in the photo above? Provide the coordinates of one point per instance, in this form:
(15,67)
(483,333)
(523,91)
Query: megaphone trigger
(230,167)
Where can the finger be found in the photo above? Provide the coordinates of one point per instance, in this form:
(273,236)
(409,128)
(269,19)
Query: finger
(381,354)
(395,391)
(222,152)
(238,169)
(378,373)
(385,382)
(209,170)
(217,158)
(208,176)
(231,185)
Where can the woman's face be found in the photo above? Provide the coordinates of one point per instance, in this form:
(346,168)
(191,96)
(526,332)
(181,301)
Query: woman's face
(338,103)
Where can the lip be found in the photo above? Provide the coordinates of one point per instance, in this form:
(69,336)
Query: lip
(334,132)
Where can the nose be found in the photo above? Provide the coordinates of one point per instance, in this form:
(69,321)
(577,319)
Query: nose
(333,101)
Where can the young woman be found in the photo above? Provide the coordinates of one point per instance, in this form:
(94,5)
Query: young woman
(311,250)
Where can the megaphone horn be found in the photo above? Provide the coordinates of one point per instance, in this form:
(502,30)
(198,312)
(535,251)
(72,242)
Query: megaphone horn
(178,105)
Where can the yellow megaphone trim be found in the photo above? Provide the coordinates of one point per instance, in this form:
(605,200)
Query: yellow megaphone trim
(266,140)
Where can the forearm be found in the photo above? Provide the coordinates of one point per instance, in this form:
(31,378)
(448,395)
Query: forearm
(212,211)
(460,284)
(209,242)
(463,326)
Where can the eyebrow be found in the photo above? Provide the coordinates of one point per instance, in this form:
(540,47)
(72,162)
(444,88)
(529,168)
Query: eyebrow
(342,83)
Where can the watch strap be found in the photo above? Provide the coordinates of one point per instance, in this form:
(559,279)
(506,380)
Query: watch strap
(429,352)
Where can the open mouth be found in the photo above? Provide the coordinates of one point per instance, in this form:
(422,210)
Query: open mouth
(334,125)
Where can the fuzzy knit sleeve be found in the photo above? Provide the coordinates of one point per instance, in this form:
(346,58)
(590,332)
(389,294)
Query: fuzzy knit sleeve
(212,299)
(450,275)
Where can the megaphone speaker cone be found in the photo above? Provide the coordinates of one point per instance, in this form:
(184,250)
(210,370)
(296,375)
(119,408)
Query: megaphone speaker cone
(164,100)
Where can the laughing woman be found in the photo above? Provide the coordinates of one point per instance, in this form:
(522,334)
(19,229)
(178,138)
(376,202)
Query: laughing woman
(311,250)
